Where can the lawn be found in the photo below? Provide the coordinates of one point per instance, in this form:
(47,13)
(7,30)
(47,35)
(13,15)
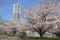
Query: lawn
(43,38)
(28,38)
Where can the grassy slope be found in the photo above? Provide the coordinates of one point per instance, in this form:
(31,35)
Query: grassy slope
(26,38)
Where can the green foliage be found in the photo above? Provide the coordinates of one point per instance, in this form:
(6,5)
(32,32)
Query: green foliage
(14,30)
(23,34)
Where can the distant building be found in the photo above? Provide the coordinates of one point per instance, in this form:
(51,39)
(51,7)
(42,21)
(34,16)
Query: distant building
(16,12)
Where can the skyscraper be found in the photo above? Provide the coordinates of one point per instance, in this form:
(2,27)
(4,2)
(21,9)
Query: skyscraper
(16,12)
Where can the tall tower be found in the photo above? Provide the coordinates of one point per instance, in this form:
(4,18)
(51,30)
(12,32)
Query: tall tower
(16,12)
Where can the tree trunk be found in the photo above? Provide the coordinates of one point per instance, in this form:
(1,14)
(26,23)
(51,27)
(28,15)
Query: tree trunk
(41,36)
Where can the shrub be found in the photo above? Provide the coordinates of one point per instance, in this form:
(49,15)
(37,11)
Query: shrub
(22,34)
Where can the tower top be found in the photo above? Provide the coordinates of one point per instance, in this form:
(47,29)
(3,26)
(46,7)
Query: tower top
(16,8)
(16,4)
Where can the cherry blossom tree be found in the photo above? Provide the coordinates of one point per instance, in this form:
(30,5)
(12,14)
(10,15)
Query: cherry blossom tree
(37,18)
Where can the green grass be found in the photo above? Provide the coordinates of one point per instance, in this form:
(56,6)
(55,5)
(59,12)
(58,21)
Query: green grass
(34,38)
(43,38)
(2,34)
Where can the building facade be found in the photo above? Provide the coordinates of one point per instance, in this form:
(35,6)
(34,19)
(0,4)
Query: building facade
(16,12)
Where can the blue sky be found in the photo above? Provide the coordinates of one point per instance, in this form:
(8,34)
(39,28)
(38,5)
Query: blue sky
(6,7)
